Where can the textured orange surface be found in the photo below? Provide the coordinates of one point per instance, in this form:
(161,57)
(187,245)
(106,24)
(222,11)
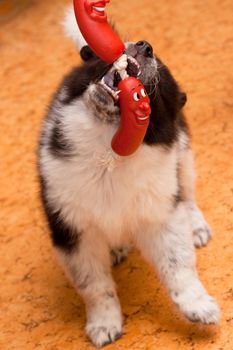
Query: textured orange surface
(38,307)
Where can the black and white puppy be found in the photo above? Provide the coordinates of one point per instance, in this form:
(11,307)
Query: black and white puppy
(98,203)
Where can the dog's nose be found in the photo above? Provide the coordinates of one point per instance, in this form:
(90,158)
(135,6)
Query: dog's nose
(144,48)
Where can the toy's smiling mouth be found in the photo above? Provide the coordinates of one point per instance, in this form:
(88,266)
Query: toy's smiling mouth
(96,9)
(99,9)
(111,80)
(142,119)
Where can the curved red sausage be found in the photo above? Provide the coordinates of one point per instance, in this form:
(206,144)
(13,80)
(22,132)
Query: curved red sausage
(93,24)
(135,114)
(134,102)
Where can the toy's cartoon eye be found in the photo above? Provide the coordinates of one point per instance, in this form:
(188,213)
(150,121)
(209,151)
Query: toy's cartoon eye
(136,96)
(143,92)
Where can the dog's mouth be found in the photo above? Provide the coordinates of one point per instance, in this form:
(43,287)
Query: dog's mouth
(111,80)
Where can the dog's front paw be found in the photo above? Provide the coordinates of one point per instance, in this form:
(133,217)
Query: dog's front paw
(102,334)
(201,230)
(202,235)
(104,322)
(202,309)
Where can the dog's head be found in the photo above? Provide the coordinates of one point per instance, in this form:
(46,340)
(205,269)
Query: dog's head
(98,82)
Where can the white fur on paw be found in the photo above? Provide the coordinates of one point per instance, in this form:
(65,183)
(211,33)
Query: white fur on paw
(201,230)
(202,309)
(119,254)
(102,334)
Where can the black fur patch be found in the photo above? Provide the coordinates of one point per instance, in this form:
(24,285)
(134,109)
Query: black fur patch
(182,99)
(59,146)
(177,199)
(166,103)
(86,53)
(63,236)
(80,78)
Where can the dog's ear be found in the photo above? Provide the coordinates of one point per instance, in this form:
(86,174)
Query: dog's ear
(182,99)
(86,53)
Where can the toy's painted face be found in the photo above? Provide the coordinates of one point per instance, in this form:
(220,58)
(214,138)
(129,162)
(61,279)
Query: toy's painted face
(96,9)
(139,104)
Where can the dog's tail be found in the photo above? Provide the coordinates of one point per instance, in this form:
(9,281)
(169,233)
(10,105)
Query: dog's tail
(71,28)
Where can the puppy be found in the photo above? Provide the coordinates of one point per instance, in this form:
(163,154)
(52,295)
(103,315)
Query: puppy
(98,203)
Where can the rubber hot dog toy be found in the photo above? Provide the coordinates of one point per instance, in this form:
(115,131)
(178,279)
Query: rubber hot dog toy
(93,24)
(133,100)
(135,113)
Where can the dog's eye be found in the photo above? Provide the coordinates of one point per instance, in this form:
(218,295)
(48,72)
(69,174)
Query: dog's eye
(136,96)
(143,92)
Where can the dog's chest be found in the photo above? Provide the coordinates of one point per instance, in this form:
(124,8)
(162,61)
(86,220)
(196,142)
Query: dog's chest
(122,193)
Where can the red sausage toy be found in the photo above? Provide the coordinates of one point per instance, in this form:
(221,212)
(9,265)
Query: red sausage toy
(133,99)
(135,113)
(93,24)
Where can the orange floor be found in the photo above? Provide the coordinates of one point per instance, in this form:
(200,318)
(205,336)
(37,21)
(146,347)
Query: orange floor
(38,307)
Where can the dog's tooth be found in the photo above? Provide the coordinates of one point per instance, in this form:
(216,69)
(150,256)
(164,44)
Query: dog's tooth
(109,90)
(134,62)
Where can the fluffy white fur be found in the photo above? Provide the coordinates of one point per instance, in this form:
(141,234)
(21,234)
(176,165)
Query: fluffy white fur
(71,28)
(115,201)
